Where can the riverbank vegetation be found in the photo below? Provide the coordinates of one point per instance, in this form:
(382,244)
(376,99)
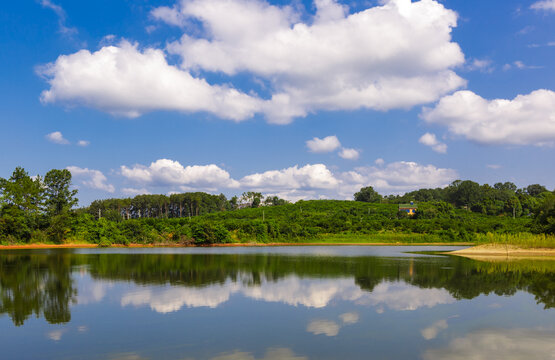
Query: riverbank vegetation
(40,210)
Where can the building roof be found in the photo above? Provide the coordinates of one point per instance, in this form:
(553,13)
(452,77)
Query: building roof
(408,206)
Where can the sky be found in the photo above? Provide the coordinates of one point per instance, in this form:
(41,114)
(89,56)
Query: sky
(299,99)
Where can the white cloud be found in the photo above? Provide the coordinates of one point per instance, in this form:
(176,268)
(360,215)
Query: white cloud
(315,181)
(168,172)
(403,176)
(349,154)
(327,144)
(482,65)
(396,55)
(83,143)
(61,17)
(311,181)
(494,166)
(379,161)
(133,191)
(325,327)
(525,120)
(93,179)
(430,140)
(123,80)
(57,138)
(547,5)
(171,16)
(520,65)
(498,344)
(316,176)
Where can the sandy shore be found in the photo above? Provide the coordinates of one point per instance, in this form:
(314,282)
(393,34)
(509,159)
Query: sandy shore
(84,246)
(502,250)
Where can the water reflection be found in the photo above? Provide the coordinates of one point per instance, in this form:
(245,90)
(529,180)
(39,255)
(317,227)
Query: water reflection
(271,354)
(498,344)
(44,283)
(39,285)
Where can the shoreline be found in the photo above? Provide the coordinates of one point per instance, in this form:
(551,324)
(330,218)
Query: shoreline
(88,246)
(495,250)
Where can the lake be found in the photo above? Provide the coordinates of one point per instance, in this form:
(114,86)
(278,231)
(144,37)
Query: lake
(307,302)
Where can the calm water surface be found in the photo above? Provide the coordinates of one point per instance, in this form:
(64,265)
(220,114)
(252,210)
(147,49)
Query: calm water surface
(273,303)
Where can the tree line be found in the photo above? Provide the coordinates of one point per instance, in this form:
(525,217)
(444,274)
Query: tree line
(41,209)
(500,199)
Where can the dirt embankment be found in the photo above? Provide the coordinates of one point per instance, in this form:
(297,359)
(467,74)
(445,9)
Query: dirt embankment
(77,246)
(493,250)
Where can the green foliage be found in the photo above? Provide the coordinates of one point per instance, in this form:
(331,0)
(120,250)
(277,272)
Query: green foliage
(59,197)
(33,209)
(104,242)
(368,194)
(545,214)
(525,240)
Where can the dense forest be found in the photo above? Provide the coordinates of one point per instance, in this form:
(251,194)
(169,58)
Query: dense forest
(41,209)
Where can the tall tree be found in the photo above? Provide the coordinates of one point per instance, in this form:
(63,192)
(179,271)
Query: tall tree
(22,191)
(59,197)
(368,194)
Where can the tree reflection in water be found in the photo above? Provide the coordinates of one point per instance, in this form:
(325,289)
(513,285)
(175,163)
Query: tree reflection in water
(41,283)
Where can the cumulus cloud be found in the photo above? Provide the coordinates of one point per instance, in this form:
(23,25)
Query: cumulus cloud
(83,143)
(57,138)
(525,120)
(316,176)
(126,81)
(327,144)
(169,15)
(311,181)
(498,344)
(164,172)
(93,179)
(349,154)
(430,140)
(403,176)
(396,55)
(133,191)
(547,5)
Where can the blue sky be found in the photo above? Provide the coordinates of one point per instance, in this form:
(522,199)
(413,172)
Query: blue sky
(229,96)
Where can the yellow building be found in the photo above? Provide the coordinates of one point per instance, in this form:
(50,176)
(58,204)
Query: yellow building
(410,209)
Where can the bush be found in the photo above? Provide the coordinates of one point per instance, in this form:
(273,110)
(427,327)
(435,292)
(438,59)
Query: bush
(104,242)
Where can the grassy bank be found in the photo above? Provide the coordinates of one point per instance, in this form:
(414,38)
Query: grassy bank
(519,240)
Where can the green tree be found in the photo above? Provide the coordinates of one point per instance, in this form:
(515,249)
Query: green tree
(22,191)
(535,189)
(252,198)
(368,194)
(59,197)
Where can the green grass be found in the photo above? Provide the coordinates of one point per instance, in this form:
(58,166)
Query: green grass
(522,240)
(385,237)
